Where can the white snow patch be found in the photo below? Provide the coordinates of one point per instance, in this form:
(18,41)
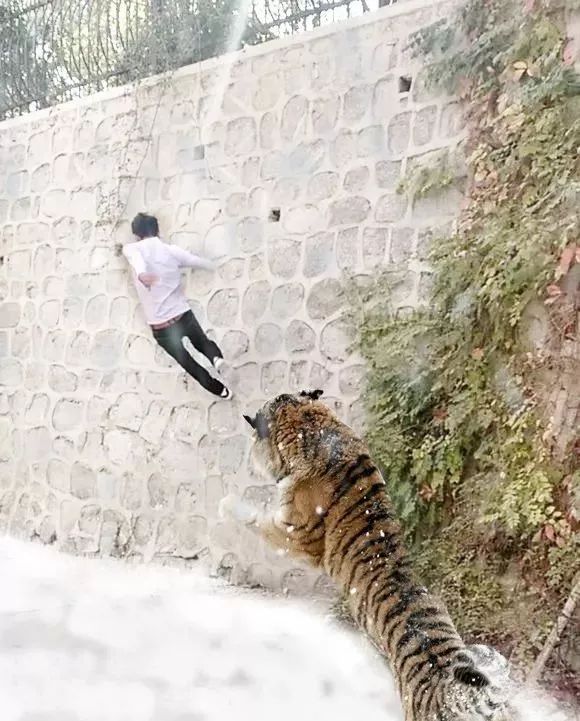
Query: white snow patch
(100,640)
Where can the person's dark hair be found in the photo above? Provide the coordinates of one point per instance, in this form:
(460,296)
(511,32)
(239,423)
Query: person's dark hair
(145,226)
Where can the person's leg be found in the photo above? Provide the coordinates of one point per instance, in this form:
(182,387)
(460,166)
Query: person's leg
(171,340)
(199,340)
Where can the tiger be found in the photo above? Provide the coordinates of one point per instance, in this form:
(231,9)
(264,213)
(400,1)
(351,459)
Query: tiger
(334,511)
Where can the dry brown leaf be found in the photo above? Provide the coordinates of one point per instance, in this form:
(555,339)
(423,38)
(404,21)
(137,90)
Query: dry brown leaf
(566,260)
(549,533)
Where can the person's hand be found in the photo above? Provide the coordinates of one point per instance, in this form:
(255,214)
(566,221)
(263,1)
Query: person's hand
(148,279)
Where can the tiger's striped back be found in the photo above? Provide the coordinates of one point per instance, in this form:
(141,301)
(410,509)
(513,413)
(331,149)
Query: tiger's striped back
(336,511)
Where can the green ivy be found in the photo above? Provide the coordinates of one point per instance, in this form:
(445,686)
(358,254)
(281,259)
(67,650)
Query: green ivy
(454,418)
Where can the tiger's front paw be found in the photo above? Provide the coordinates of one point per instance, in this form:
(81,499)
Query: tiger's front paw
(234,508)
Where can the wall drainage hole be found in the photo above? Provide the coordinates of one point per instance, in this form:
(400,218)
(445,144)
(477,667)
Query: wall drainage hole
(405,82)
(274,216)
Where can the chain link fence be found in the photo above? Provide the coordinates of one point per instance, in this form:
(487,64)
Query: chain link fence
(56,50)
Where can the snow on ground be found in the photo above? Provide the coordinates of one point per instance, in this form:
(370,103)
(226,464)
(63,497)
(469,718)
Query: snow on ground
(96,640)
(99,640)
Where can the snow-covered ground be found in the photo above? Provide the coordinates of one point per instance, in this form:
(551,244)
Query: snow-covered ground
(94,640)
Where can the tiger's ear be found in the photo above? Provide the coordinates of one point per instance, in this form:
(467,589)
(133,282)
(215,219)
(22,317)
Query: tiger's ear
(259,424)
(313,395)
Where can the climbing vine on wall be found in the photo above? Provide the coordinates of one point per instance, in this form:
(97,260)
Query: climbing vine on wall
(457,393)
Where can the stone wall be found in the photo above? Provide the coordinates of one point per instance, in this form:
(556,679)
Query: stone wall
(282,163)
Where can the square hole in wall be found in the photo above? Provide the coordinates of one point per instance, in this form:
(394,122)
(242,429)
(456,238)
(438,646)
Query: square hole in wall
(199,152)
(274,216)
(405,82)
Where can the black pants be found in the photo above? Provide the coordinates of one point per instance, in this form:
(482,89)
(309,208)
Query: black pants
(171,340)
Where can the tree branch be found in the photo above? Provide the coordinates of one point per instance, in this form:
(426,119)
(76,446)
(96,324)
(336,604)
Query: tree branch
(556,633)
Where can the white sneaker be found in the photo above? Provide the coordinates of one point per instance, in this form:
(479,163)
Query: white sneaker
(226,394)
(218,363)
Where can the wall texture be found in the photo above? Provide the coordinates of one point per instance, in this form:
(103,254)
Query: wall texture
(105,446)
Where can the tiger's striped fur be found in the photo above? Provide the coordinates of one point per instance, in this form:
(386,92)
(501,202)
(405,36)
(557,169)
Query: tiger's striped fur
(335,512)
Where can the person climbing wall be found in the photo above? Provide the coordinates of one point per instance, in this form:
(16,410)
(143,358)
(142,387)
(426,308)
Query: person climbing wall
(156,269)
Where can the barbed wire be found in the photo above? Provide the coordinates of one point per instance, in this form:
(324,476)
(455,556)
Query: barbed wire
(56,50)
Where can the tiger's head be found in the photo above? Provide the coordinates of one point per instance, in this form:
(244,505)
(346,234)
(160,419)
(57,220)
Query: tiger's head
(295,433)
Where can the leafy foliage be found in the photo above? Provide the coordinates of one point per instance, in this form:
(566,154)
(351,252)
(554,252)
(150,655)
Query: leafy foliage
(454,416)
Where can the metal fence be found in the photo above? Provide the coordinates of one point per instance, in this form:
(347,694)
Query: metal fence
(56,50)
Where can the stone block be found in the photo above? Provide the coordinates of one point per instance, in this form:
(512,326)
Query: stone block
(399,133)
(127,411)
(273,377)
(49,313)
(322,186)
(356,179)
(124,448)
(40,178)
(350,379)
(385,98)
(318,252)
(250,233)
(294,118)
(356,103)
(82,481)
(268,131)
(324,115)
(10,372)
(62,380)
(268,91)
(402,240)
(187,422)
(37,444)
(268,340)
(342,150)
(107,348)
(241,137)
(222,308)
(287,300)
(349,211)
(390,208)
(224,417)
(438,206)
(324,299)
(67,414)
(284,257)
(235,344)
(299,337)
(347,249)
(90,519)
(302,219)
(424,125)
(159,491)
(131,492)
(384,57)
(9,315)
(370,142)
(305,159)
(37,410)
(452,120)
(155,422)
(44,261)
(334,341)
(140,350)
(21,209)
(374,246)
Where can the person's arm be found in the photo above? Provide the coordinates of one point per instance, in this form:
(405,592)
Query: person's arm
(189,260)
(138,264)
